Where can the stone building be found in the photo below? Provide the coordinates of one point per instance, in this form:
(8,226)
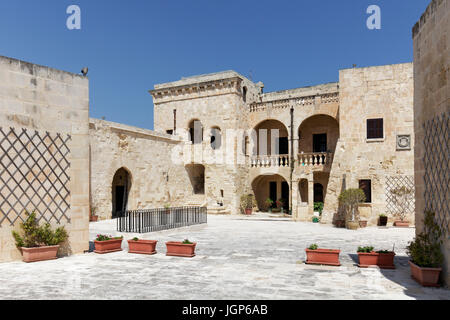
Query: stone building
(431,119)
(216,137)
(314,140)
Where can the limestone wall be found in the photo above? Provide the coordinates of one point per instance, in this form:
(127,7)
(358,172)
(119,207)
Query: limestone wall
(150,159)
(40,100)
(431,113)
(365,93)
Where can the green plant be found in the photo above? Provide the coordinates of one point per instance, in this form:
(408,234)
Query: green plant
(315,219)
(383,215)
(280,202)
(186,241)
(103,237)
(367,249)
(135,239)
(167,206)
(351,198)
(248,201)
(318,206)
(37,236)
(269,202)
(425,249)
(401,195)
(313,247)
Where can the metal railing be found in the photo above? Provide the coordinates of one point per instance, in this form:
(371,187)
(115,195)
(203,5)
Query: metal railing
(142,221)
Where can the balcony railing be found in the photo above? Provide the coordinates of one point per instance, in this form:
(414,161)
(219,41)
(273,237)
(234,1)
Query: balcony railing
(314,158)
(281,160)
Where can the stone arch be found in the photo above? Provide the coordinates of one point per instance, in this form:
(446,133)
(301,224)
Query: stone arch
(273,186)
(276,141)
(318,133)
(121,186)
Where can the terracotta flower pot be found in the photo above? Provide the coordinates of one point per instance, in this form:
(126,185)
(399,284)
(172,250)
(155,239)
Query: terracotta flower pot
(108,246)
(383,221)
(179,249)
(142,246)
(94,218)
(248,211)
(382,260)
(39,253)
(399,223)
(323,256)
(427,277)
(363,223)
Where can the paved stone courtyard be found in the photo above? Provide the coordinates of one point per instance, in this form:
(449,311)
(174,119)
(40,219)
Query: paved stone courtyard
(237,258)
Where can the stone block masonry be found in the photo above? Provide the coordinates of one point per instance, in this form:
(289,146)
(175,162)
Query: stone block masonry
(431,41)
(47,104)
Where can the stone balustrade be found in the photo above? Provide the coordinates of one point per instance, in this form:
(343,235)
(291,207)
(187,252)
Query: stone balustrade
(314,158)
(298,101)
(281,160)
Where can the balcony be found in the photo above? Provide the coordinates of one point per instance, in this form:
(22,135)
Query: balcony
(281,160)
(315,158)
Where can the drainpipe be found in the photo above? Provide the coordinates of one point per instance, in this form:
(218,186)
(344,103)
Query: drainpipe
(174,121)
(291,161)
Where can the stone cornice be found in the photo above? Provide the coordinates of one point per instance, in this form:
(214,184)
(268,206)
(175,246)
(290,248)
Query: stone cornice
(197,90)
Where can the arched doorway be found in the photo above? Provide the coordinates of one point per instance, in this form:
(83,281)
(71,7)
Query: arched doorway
(274,187)
(121,186)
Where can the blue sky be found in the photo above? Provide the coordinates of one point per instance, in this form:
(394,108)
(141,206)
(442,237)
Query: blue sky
(131,45)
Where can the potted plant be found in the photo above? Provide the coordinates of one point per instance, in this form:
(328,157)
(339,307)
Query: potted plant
(181,249)
(318,208)
(38,242)
(350,199)
(314,255)
(367,257)
(402,196)
(383,219)
(269,203)
(316,219)
(280,204)
(93,217)
(425,253)
(137,245)
(167,208)
(248,202)
(105,244)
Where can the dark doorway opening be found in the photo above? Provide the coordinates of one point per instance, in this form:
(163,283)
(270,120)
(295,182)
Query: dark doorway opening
(273,193)
(285,194)
(320,142)
(121,186)
(284,145)
(318,192)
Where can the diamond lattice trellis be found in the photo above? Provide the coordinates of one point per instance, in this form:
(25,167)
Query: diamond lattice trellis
(436,165)
(33,175)
(392,203)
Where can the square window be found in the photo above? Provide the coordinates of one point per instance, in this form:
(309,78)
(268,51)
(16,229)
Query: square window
(375,128)
(366,186)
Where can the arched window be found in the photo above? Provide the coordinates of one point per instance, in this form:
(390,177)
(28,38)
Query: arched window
(196,131)
(216,138)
